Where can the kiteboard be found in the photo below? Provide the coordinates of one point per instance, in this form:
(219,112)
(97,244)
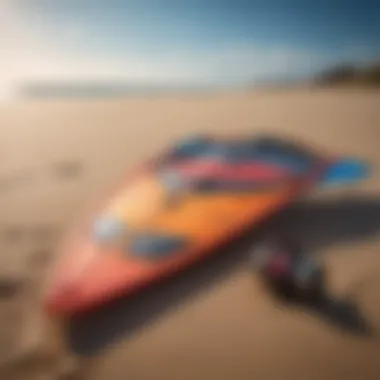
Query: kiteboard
(177,210)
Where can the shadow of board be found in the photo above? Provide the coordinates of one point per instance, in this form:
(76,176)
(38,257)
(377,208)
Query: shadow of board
(316,225)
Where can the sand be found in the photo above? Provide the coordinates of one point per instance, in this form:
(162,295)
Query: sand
(58,156)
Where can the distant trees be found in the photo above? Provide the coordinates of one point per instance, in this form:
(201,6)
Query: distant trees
(349,74)
(373,74)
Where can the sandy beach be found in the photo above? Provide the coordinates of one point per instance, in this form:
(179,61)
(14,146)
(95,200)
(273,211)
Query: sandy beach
(59,156)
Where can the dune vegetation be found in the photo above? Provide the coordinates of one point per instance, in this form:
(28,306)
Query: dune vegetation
(350,74)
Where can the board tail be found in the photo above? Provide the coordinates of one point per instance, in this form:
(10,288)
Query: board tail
(344,172)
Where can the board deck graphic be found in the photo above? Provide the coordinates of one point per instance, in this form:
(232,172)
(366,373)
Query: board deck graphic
(177,210)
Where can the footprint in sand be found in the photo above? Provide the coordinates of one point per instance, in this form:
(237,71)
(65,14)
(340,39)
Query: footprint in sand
(66,170)
(19,178)
(13,234)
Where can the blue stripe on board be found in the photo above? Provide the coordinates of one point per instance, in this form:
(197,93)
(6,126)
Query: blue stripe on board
(155,246)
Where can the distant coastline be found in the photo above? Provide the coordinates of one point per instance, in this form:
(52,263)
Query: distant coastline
(95,90)
(340,75)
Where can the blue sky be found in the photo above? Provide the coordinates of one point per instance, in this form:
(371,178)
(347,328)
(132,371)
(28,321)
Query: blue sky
(183,41)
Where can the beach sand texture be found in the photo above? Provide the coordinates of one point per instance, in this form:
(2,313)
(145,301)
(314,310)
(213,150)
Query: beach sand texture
(57,157)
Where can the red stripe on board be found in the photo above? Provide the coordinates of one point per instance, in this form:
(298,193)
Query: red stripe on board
(241,171)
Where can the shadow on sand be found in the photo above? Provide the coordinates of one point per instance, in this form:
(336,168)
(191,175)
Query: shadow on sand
(317,225)
(344,314)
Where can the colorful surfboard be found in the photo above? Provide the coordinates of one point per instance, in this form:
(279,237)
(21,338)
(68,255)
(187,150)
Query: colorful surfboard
(175,211)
